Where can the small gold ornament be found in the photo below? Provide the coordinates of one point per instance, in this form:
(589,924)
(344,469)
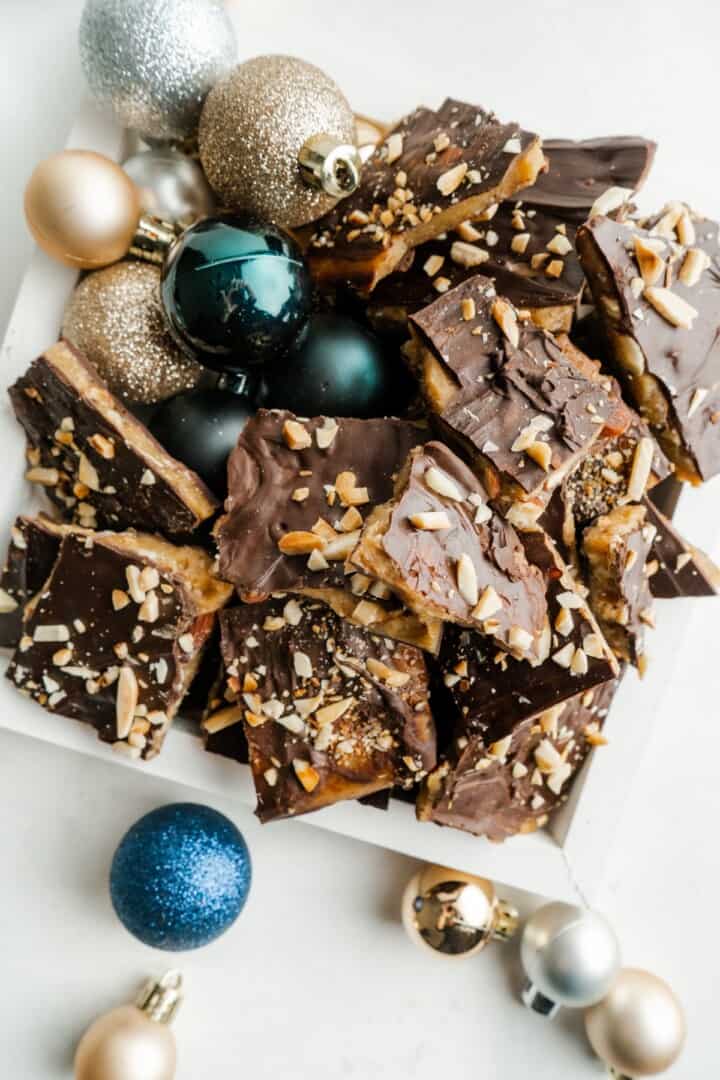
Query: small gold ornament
(133,1040)
(82,209)
(455,914)
(638,1029)
(277,138)
(115,319)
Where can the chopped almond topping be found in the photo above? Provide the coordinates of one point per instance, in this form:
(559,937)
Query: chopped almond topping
(488,604)
(300,494)
(519,243)
(694,265)
(439,482)
(671,306)
(431,520)
(432,264)
(648,254)
(504,315)
(467,308)
(325,434)
(451,180)
(299,543)
(464,254)
(467,580)
(559,245)
(555,268)
(296,436)
(351,520)
(394,147)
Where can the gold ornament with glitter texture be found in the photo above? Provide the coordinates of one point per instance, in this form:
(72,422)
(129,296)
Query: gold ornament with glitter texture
(114,318)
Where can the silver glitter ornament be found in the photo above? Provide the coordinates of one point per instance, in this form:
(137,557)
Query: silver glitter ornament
(571,957)
(154,61)
(172,186)
(255,126)
(114,318)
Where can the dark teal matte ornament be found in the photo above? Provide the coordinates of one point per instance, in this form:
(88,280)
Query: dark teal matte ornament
(235,291)
(336,368)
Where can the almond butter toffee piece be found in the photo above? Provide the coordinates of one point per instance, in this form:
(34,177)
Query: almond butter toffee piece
(432,172)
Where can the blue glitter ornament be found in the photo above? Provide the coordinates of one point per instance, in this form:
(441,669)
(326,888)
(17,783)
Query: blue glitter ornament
(180,876)
(235,291)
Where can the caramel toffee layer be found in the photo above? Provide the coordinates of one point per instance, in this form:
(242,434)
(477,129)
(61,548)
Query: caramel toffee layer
(499,786)
(526,245)
(95,460)
(616,549)
(446,553)
(657,287)
(330,711)
(676,568)
(506,392)
(115,634)
(432,172)
(33,548)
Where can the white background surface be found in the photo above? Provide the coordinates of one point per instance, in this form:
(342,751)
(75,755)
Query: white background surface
(317,979)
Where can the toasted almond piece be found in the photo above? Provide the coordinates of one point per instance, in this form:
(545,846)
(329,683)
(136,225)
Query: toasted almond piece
(328,714)
(467,255)
(441,142)
(467,232)
(148,478)
(296,436)
(467,580)
(467,308)
(120,599)
(222,719)
(366,613)
(351,520)
(593,647)
(648,254)
(640,470)
(500,748)
(559,776)
(564,622)
(150,608)
(348,491)
(325,434)
(292,613)
(302,665)
(299,543)
(390,675)
(306,706)
(341,547)
(547,756)
(126,701)
(451,180)
(187,643)
(7,604)
(271,776)
(102,446)
(324,529)
(442,484)
(254,719)
(541,454)
(559,245)
(432,264)
(393,147)
(488,604)
(579,663)
(504,315)
(40,475)
(273,623)
(62,656)
(133,575)
(694,265)
(306,774)
(317,561)
(519,770)
(431,520)
(441,284)
(554,268)
(300,494)
(519,243)
(520,639)
(564,657)
(88,474)
(611,199)
(671,306)
(538,260)
(685,229)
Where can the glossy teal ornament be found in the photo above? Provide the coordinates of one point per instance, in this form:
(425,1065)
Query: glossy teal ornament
(180,876)
(235,291)
(336,368)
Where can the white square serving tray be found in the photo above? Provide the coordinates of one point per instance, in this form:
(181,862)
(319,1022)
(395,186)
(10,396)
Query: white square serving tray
(566,860)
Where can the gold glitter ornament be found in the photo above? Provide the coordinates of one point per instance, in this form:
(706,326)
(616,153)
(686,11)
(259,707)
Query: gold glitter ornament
(260,121)
(114,318)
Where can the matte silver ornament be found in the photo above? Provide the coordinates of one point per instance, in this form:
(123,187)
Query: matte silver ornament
(454,914)
(172,186)
(253,128)
(571,957)
(154,61)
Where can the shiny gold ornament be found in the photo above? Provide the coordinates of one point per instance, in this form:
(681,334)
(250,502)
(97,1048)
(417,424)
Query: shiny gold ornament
(82,208)
(115,319)
(455,914)
(259,121)
(639,1028)
(133,1041)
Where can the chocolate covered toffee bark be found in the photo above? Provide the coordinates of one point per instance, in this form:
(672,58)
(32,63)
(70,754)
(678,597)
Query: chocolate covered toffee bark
(330,711)
(439,546)
(96,461)
(115,635)
(526,245)
(523,405)
(511,779)
(657,287)
(675,567)
(616,549)
(299,491)
(432,172)
(33,548)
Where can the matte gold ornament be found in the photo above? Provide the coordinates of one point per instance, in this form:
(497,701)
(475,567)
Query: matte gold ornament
(277,138)
(82,209)
(638,1029)
(455,914)
(115,319)
(133,1042)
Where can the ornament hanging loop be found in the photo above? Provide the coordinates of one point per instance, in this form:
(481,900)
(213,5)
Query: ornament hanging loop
(152,239)
(161,998)
(330,166)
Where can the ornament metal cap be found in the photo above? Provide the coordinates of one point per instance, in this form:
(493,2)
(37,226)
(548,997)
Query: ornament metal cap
(152,239)
(332,166)
(538,1002)
(161,998)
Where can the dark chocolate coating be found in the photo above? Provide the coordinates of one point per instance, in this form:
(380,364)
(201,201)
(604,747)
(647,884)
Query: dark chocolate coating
(385,735)
(78,598)
(263,472)
(497,795)
(63,406)
(683,570)
(33,548)
(683,361)
(501,388)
